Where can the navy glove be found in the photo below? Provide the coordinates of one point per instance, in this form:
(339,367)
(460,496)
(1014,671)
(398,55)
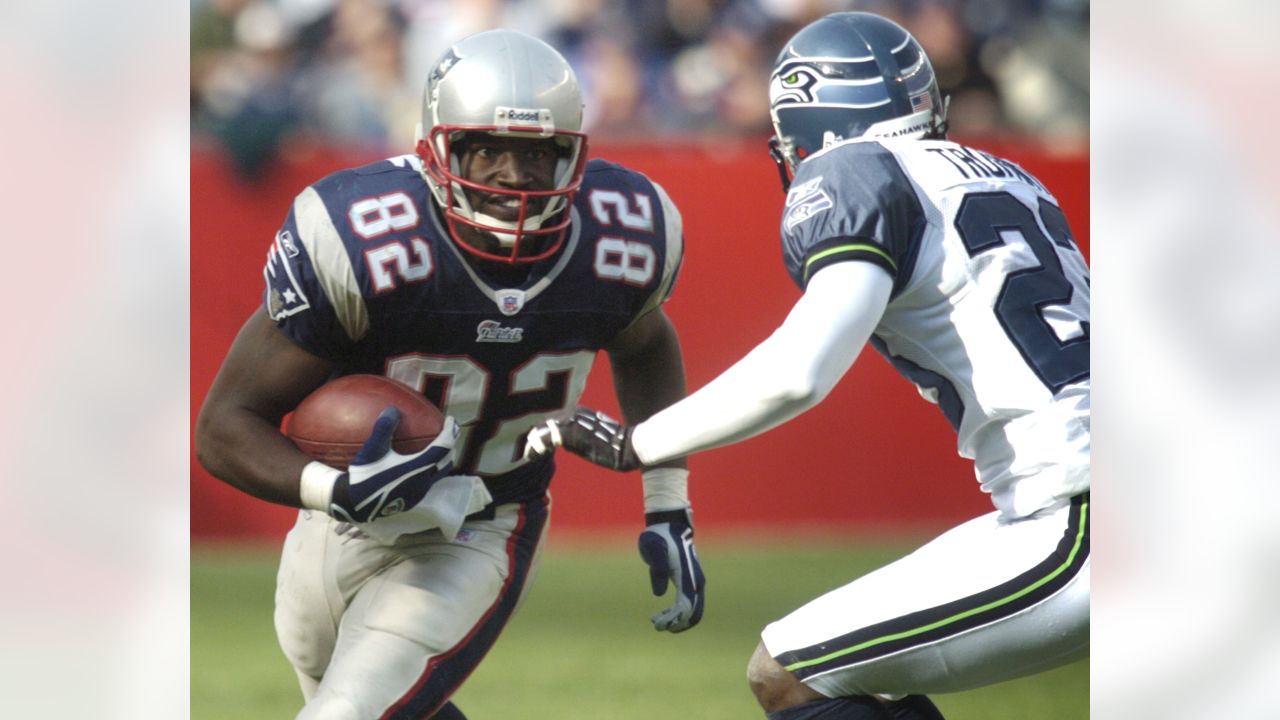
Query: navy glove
(381,482)
(587,433)
(666,546)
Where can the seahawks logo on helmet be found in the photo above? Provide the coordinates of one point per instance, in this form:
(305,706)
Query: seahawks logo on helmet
(848,76)
(795,84)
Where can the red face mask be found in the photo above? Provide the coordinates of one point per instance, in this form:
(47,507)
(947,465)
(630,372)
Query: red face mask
(529,223)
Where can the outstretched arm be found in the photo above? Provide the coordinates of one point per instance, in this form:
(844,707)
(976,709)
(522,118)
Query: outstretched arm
(790,372)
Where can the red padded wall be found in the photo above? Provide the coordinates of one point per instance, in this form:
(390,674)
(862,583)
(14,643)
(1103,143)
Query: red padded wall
(873,455)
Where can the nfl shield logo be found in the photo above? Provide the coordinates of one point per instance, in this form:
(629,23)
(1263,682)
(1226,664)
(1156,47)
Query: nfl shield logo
(510,302)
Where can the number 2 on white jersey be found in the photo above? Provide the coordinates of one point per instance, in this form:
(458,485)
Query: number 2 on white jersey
(986,221)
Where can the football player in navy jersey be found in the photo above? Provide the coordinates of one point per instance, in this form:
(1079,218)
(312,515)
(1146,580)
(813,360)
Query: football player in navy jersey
(485,270)
(959,268)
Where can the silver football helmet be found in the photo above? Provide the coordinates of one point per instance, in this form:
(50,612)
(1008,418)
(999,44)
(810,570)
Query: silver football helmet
(508,84)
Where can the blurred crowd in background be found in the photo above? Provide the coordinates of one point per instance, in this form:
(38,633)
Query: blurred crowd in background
(270,75)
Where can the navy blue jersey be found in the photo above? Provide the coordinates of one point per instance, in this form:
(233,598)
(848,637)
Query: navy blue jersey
(364,274)
(989,312)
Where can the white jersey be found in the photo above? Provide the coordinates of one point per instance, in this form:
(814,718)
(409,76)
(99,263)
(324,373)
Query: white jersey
(989,312)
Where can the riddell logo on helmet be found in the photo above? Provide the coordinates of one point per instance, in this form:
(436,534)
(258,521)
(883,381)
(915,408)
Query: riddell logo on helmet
(517,115)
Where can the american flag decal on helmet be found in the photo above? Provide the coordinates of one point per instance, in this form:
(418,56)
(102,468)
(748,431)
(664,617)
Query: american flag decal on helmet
(921,102)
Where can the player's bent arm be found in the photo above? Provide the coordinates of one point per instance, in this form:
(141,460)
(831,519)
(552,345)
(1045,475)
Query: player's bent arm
(648,369)
(790,372)
(238,438)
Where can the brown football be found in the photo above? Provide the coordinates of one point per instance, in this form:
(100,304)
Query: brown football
(333,422)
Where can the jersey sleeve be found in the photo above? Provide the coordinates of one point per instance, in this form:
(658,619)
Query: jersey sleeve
(852,202)
(311,289)
(673,257)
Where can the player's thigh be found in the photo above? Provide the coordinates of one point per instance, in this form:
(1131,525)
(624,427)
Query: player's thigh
(308,603)
(987,601)
(418,627)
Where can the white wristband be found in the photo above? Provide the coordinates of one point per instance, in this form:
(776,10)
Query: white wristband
(315,488)
(665,489)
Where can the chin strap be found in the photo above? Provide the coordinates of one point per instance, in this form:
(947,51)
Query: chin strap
(940,129)
(775,152)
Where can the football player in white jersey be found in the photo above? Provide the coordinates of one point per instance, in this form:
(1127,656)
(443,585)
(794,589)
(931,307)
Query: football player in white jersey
(486,271)
(959,267)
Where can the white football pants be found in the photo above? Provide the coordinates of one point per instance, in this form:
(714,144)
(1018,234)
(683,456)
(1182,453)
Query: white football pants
(377,631)
(987,601)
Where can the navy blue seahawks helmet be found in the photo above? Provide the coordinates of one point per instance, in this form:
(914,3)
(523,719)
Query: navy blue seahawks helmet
(850,75)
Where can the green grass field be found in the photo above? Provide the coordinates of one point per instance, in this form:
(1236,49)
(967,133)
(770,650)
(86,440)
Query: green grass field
(582,646)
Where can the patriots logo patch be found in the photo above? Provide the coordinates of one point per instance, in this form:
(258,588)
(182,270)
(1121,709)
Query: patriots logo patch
(804,201)
(284,293)
(492,331)
(443,67)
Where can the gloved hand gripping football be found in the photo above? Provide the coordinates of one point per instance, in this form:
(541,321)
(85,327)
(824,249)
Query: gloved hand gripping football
(387,495)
